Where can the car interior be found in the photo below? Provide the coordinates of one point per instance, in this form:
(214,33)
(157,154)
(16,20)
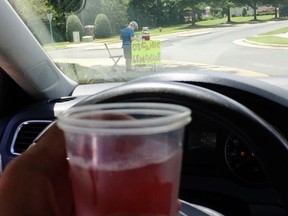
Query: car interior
(235,158)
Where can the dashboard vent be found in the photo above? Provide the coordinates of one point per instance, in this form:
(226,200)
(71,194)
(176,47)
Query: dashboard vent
(25,135)
(62,99)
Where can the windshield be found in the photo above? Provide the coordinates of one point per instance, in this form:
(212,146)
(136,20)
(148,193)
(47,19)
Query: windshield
(97,41)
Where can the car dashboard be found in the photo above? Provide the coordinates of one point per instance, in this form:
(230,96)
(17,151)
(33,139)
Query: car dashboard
(219,170)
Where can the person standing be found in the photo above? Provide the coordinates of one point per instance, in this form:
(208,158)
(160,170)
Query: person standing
(127,36)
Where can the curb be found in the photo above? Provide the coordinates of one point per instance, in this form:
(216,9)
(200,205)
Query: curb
(165,66)
(244,42)
(195,34)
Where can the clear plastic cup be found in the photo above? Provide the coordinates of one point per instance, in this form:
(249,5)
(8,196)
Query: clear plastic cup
(125,158)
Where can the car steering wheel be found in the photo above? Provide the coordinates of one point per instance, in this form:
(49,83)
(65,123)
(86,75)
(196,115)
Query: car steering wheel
(270,148)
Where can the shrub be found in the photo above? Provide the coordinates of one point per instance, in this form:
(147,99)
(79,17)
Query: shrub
(207,17)
(244,12)
(73,24)
(102,27)
(283,11)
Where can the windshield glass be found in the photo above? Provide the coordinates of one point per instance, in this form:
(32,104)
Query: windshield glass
(97,41)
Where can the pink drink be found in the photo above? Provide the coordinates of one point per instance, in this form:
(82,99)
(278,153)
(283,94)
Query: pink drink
(125,158)
(127,189)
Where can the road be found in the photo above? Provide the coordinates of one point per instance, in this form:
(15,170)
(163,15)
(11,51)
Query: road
(216,46)
(219,48)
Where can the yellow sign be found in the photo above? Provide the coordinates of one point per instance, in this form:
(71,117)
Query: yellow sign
(146,52)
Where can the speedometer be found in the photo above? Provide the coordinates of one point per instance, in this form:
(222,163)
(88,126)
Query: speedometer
(242,162)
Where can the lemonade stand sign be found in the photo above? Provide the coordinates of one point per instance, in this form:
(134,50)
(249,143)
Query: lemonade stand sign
(146,52)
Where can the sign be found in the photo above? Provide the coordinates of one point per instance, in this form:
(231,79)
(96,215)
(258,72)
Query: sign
(49,16)
(146,52)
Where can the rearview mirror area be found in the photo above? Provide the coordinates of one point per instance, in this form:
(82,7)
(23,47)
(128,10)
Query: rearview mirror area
(72,6)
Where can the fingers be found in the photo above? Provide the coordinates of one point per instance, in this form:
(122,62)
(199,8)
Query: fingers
(48,152)
(37,181)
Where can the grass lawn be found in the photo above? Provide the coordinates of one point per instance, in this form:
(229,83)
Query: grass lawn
(214,22)
(168,29)
(235,20)
(58,45)
(278,31)
(270,39)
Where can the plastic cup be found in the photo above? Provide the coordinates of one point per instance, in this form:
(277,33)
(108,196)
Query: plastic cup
(125,158)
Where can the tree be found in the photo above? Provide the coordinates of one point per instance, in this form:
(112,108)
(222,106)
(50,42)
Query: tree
(116,12)
(73,24)
(155,13)
(141,11)
(34,16)
(276,4)
(253,4)
(114,9)
(102,27)
(226,5)
(194,6)
(39,10)
(92,9)
(68,6)
(170,13)
(283,10)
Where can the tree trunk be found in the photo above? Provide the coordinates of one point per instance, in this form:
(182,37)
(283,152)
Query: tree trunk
(276,12)
(59,2)
(193,17)
(255,9)
(228,14)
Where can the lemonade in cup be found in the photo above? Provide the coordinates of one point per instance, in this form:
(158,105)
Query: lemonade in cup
(125,158)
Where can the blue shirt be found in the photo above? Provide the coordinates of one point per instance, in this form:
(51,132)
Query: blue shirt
(126,35)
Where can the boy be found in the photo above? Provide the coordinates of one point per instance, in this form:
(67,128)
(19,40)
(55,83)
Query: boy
(127,36)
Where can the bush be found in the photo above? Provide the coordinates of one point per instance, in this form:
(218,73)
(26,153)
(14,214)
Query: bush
(102,27)
(207,17)
(244,12)
(73,24)
(283,11)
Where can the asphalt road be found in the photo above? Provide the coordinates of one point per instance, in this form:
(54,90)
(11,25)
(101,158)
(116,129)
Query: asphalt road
(221,47)
(216,46)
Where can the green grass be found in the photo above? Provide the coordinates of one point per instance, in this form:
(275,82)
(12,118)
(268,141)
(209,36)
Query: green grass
(110,39)
(235,20)
(58,45)
(271,37)
(278,31)
(214,22)
(153,31)
(251,19)
(269,40)
(169,29)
